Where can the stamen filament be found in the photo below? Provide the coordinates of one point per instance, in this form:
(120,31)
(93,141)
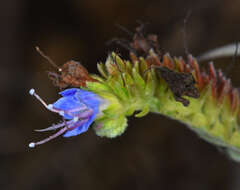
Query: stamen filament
(48,106)
(81,115)
(53,127)
(60,132)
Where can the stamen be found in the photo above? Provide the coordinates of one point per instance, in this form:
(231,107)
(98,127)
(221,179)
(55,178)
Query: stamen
(49,106)
(78,109)
(64,123)
(81,115)
(33,93)
(76,124)
(53,127)
(60,132)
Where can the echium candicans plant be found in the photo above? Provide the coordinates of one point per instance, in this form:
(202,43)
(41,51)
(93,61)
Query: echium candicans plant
(206,102)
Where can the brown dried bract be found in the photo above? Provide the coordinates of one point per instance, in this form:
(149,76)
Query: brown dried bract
(71,74)
(181,84)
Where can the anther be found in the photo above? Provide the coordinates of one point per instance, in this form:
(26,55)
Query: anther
(50,106)
(31,92)
(61,113)
(75,119)
(31,145)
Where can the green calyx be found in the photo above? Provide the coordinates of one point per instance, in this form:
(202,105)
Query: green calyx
(127,89)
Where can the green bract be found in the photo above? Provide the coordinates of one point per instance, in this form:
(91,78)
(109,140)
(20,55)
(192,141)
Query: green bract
(130,89)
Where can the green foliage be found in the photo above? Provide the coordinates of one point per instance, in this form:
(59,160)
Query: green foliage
(129,88)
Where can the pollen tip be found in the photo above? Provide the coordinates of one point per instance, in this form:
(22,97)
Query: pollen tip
(61,113)
(75,119)
(31,145)
(50,106)
(31,91)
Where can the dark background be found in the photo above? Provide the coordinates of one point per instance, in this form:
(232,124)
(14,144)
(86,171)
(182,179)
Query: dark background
(154,152)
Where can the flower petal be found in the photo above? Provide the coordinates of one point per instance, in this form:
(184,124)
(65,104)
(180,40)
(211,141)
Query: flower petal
(68,103)
(69,92)
(80,129)
(89,99)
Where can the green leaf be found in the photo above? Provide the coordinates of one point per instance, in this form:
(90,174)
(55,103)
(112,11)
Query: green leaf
(102,69)
(144,112)
(138,79)
(111,127)
(98,86)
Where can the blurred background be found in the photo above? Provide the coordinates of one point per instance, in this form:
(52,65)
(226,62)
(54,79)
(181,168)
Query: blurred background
(154,152)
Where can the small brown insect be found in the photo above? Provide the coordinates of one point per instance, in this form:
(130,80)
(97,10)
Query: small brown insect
(71,74)
(181,84)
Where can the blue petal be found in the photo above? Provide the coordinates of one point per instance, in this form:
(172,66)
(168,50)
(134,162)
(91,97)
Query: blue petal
(79,99)
(68,103)
(81,129)
(73,91)
(90,99)
(69,92)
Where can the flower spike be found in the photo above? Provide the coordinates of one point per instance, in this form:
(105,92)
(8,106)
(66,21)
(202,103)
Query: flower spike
(206,102)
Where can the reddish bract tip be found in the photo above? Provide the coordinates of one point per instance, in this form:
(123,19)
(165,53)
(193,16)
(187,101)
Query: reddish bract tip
(167,62)
(181,64)
(196,69)
(212,72)
(234,98)
(153,59)
(133,57)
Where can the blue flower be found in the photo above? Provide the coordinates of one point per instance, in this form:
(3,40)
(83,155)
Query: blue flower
(78,108)
(81,104)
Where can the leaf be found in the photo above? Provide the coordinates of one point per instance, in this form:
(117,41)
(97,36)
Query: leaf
(144,112)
